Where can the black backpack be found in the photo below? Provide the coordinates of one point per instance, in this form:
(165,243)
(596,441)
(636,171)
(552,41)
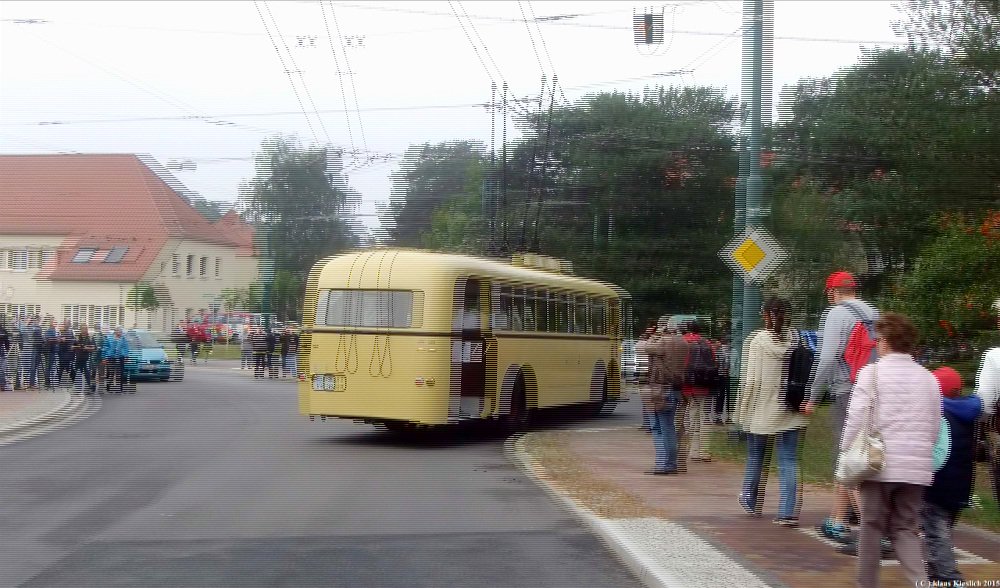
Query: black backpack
(706,366)
(800,365)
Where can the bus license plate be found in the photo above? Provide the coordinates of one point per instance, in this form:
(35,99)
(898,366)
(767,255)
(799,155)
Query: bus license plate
(330,382)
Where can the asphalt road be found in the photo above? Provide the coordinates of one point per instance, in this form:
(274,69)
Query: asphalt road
(219,481)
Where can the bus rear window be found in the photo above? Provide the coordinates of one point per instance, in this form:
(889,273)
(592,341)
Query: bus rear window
(374,308)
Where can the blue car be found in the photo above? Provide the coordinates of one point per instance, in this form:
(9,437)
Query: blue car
(159,358)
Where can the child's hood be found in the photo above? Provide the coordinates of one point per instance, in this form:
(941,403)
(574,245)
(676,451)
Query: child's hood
(966,409)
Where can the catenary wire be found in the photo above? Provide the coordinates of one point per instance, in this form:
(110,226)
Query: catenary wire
(286,70)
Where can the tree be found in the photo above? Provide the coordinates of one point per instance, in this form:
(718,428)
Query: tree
(951,291)
(892,143)
(634,190)
(301,195)
(968,29)
(436,197)
(149,297)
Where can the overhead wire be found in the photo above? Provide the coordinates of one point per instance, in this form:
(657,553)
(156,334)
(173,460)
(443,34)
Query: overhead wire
(343,72)
(250,114)
(354,90)
(287,71)
(302,80)
(144,87)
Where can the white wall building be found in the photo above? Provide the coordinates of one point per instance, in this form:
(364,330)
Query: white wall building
(81,235)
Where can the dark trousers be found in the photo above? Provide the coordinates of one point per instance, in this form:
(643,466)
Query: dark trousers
(83,366)
(938,523)
(67,364)
(890,509)
(261,362)
(50,366)
(36,367)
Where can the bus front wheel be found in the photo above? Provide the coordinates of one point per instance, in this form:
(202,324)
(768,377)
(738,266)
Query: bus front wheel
(519,417)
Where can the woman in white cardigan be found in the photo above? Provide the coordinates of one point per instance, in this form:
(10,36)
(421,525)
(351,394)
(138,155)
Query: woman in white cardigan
(908,415)
(763,415)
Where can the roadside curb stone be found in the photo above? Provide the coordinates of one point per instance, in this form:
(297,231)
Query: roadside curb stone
(659,552)
(50,411)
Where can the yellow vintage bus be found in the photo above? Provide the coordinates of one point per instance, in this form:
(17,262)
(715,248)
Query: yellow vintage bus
(406,338)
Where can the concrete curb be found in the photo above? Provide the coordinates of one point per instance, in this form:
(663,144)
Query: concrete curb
(644,569)
(76,406)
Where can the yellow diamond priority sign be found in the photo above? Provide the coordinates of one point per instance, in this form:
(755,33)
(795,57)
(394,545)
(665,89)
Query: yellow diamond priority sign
(754,254)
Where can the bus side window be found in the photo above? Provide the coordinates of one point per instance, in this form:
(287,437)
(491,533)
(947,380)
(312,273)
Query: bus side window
(560,311)
(529,311)
(541,304)
(580,312)
(505,320)
(597,316)
(517,306)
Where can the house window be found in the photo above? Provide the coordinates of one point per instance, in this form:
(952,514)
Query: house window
(218,267)
(203,267)
(190,265)
(18,259)
(175,264)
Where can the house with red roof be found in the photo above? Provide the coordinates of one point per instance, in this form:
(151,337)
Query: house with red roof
(114,239)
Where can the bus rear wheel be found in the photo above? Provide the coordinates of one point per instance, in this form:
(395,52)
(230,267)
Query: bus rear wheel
(606,405)
(518,419)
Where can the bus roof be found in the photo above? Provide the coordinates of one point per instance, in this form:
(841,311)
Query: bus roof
(394,268)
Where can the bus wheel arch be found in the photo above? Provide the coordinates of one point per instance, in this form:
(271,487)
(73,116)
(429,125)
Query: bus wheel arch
(605,389)
(520,398)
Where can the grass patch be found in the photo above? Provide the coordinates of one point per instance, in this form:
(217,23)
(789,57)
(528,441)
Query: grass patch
(819,456)
(562,467)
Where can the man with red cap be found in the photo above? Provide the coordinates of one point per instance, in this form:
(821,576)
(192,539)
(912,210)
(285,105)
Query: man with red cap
(832,372)
(952,487)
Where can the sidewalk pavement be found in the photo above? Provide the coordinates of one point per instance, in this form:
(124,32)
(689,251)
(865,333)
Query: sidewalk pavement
(688,530)
(29,413)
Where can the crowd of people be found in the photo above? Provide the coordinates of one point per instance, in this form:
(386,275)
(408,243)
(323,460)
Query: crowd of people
(267,351)
(865,365)
(271,352)
(37,353)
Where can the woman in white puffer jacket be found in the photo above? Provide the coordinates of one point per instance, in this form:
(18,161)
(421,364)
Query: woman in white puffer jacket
(908,415)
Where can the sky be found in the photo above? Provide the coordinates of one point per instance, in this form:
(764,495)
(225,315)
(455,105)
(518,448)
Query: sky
(199,85)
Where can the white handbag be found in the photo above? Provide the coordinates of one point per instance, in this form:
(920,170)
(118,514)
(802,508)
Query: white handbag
(865,456)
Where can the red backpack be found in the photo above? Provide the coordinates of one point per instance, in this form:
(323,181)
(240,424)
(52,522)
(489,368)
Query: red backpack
(861,348)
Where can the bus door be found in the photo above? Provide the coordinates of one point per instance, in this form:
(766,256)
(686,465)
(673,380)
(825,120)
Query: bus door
(477,345)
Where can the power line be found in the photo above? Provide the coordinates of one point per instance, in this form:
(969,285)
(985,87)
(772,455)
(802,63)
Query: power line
(354,90)
(194,117)
(532,39)
(541,39)
(302,80)
(142,86)
(285,68)
(336,61)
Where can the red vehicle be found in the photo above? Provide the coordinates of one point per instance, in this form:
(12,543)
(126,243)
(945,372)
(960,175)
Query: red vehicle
(238,324)
(228,326)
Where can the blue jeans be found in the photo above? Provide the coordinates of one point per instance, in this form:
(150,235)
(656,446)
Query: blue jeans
(671,425)
(755,481)
(938,523)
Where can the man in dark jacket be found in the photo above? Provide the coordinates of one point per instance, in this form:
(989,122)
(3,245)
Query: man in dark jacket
(952,486)
(4,351)
(66,344)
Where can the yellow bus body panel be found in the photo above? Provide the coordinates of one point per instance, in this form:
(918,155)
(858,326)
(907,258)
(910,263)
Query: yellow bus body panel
(387,369)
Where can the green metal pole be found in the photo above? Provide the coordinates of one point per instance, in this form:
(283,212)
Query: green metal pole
(758,58)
